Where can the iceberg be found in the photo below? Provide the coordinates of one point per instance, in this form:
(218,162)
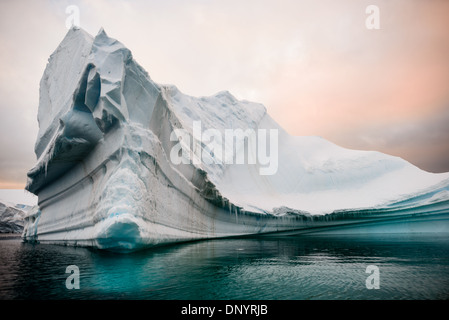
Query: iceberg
(125,163)
(11,218)
(15,205)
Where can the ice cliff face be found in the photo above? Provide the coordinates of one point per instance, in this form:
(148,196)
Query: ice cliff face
(105,174)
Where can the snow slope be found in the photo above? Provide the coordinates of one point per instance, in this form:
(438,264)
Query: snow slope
(105,176)
(314,175)
(14,207)
(11,219)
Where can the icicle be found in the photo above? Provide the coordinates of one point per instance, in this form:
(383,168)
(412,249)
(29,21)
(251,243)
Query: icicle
(45,166)
(236,215)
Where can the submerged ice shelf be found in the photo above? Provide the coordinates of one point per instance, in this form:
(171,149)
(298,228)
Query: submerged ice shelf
(105,177)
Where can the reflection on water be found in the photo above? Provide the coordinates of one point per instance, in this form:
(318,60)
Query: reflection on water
(299,267)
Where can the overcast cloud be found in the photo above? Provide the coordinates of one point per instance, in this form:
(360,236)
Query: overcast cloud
(314,64)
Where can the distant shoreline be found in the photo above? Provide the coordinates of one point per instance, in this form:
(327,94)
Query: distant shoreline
(4,236)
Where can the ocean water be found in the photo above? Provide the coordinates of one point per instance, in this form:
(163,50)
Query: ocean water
(301,267)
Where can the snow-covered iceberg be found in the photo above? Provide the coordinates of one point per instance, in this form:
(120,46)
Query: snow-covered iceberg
(15,205)
(105,174)
(11,218)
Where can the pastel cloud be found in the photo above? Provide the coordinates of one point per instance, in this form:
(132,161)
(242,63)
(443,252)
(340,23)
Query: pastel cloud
(313,64)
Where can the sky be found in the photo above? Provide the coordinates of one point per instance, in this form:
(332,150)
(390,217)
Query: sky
(314,64)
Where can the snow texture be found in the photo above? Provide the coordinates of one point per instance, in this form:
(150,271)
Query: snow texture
(11,218)
(104,177)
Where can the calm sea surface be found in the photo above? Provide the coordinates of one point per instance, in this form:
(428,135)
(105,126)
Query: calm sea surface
(283,267)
